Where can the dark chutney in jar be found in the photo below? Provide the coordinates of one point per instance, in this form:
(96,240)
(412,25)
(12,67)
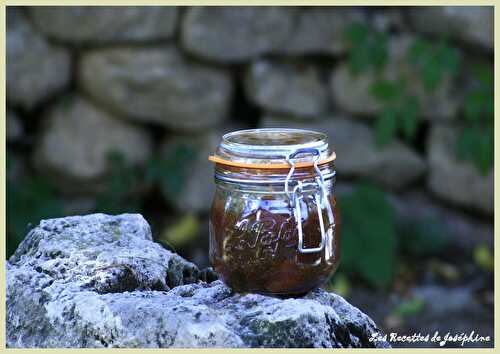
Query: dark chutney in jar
(254,219)
(253,243)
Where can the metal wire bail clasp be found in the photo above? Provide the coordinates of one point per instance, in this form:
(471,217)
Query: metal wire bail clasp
(296,197)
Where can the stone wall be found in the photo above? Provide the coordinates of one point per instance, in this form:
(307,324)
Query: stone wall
(82,81)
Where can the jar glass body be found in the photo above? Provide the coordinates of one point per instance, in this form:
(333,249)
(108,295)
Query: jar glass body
(254,233)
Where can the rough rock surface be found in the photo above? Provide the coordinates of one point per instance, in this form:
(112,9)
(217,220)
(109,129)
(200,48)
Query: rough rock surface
(157,85)
(319,30)
(35,68)
(79,136)
(394,165)
(100,281)
(287,88)
(472,24)
(456,181)
(352,92)
(235,33)
(98,24)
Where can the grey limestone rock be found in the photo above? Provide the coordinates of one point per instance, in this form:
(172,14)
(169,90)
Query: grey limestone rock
(287,88)
(157,84)
(99,24)
(36,69)
(100,281)
(235,33)
(320,30)
(471,24)
(79,136)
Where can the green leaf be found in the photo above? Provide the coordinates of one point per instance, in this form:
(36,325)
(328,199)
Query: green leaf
(418,50)
(410,307)
(465,144)
(431,75)
(350,232)
(385,127)
(449,59)
(384,90)
(484,257)
(489,106)
(182,232)
(119,184)
(484,74)
(174,167)
(378,50)
(154,169)
(475,105)
(368,224)
(486,157)
(367,48)
(356,32)
(359,59)
(432,61)
(29,200)
(340,284)
(476,144)
(409,117)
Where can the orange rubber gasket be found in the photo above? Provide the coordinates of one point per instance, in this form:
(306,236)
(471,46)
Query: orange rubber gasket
(222,161)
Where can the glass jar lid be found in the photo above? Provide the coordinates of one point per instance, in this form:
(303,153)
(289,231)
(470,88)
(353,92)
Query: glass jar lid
(273,148)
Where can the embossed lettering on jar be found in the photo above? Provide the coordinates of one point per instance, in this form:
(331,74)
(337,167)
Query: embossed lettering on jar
(274,226)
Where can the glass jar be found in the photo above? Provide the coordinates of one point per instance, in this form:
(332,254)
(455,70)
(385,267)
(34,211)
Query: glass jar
(273,219)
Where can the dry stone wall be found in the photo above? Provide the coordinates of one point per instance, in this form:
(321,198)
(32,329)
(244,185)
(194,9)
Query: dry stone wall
(84,80)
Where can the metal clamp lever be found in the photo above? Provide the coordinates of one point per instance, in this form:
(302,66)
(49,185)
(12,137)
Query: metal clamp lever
(320,197)
(296,199)
(314,152)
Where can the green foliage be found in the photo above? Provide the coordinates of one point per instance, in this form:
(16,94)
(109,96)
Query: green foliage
(386,91)
(181,232)
(340,284)
(122,185)
(401,117)
(386,126)
(118,193)
(430,62)
(369,240)
(400,107)
(433,61)
(483,257)
(476,140)
(372,238)
(29,199)
(367,49)
(170,170)
(410,307)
